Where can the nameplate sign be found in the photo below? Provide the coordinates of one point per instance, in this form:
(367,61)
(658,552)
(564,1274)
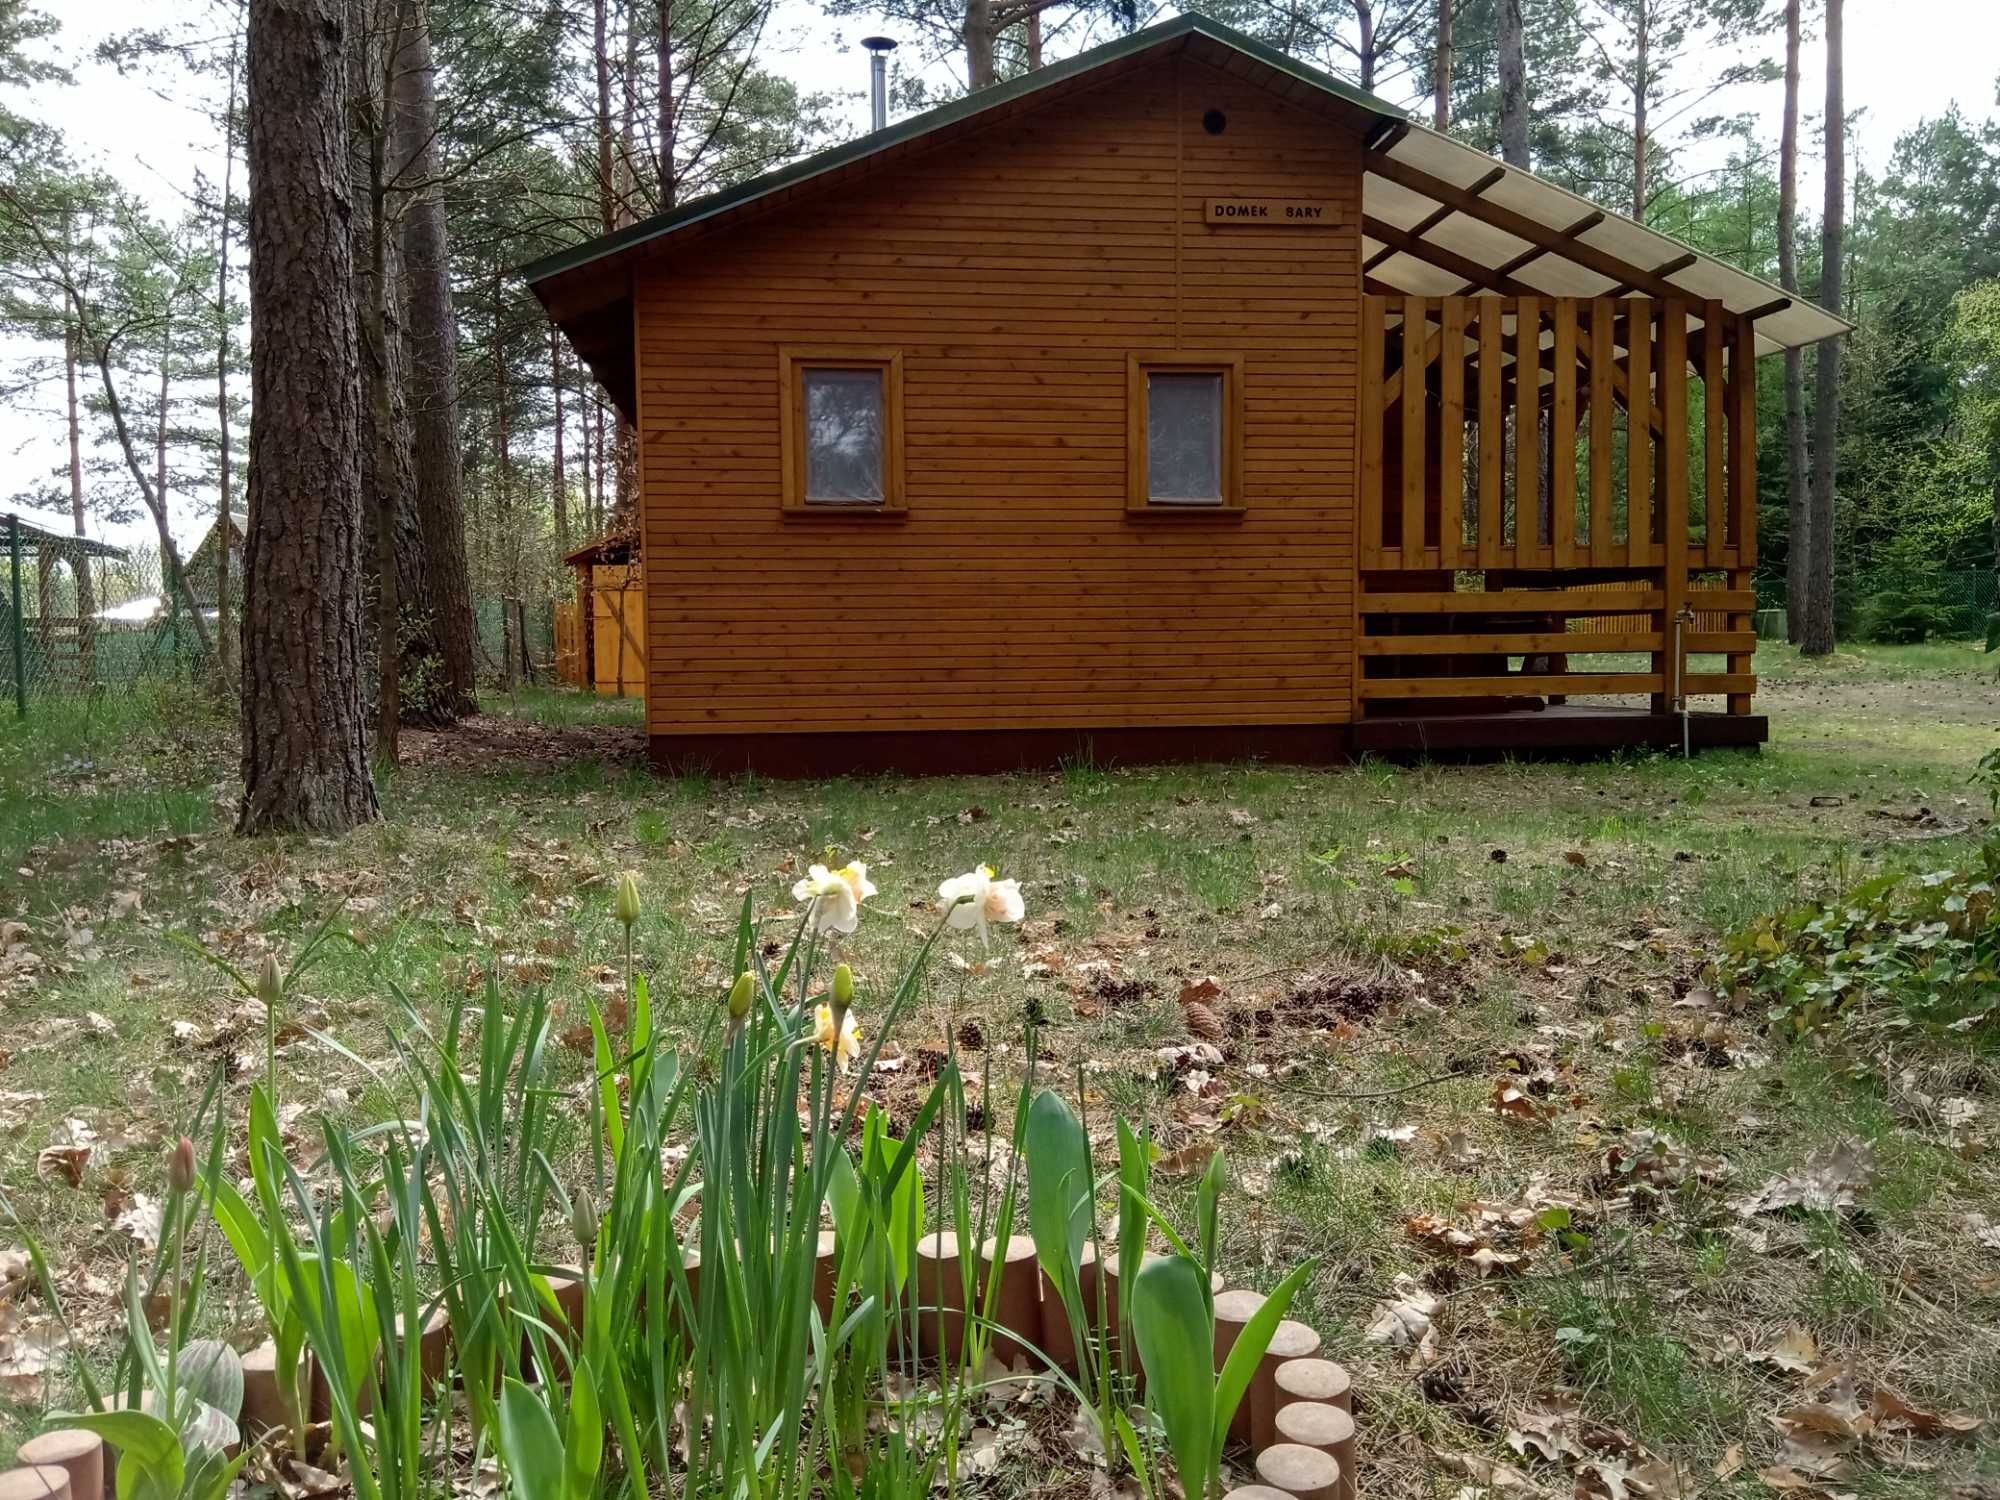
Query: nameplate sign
(1281,213)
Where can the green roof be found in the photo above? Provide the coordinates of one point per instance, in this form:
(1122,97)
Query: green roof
(1191,24)
(35,538)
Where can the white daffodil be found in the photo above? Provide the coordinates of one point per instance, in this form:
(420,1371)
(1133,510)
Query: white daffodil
(836,896)
(856,876)
(844,1043)
(975,900)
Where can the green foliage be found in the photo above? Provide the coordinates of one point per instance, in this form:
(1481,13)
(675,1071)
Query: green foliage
(1917,950)
(1902,617)
(1173,1323)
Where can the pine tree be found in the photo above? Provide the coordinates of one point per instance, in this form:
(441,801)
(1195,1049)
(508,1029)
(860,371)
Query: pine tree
(305,760)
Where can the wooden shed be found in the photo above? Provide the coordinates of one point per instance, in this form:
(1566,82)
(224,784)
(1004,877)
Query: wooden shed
(1177,400)
(601,631)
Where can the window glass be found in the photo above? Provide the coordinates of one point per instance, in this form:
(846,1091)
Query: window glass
(1184,438)
(843,419)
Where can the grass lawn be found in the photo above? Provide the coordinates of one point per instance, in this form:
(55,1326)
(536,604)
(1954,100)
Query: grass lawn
(1450,998)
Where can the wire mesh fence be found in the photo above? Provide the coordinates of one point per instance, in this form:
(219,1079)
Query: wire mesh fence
(83,618)
(1956,602)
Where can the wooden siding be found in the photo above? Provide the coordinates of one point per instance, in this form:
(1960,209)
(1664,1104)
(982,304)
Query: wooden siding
(1016,275)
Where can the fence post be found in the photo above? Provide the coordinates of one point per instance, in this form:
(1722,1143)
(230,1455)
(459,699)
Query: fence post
(20,630)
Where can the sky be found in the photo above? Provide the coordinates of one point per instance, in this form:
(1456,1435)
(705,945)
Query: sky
(1907,60)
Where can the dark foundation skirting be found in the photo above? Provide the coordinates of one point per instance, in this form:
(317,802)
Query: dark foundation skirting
(931,752)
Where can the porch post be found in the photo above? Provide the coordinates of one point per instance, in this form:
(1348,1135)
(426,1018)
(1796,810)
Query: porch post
(1669,662)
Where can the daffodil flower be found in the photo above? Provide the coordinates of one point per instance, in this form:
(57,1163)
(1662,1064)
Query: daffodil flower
(975,900)
(836,895)
(844,1043)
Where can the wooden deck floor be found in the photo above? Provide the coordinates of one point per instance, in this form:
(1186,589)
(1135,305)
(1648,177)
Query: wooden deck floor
(1570,728)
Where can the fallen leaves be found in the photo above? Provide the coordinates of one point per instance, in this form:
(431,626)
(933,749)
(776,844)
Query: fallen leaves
(1512,1102)
(1796,1352)
(1829,1182)
(1404,1321)
(1604,1461)
(1844,1416)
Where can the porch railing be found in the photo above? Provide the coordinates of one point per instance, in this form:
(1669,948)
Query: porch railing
(1594,459)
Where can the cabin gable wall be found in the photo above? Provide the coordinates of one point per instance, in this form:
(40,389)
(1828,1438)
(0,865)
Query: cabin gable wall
(1016,275)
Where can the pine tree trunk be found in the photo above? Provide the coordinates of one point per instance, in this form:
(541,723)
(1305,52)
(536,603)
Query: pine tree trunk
(663,59)
(628,212)
(1034,42)
(583,460)
(430,383)
(503,504)
(1798,524)
(1818,637)
(224,527)
(385,461)
(1640,84)
(601,58)
(977,34)
(558,485)
(1364,20)
(1513,86)
(161,408)
(86,596)
(305,745)
(1441,102)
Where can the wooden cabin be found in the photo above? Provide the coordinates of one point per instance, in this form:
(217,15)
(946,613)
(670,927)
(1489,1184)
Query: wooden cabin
(1178,400)
(600,633)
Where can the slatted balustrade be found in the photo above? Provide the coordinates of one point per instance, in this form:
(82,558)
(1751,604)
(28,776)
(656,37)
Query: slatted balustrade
(1593,458)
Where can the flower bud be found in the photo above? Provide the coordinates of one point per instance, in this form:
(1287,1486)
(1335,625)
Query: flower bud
(628,898)
(270,984)
(583,1218)
(740,996)
(180,1165)
(843,993)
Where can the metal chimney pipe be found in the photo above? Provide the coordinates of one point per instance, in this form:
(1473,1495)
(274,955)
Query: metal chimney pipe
(879,48)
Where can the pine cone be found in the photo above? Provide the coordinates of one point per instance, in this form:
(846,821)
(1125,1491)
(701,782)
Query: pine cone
(1203,1022)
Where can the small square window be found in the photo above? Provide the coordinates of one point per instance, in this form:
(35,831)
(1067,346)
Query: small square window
(841,443)
(1186,434)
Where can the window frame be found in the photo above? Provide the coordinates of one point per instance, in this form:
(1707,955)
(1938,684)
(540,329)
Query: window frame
(1139,501)
(794,361)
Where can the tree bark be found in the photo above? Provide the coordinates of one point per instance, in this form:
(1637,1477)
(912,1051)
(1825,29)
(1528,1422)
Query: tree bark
(583,458)
(1641,56)
(978,36)
(558,487)
(385,464)
(86,595)
(664,69)
(601,57)
(1441,102)
(305,745)
(224,526)
(1818,637)
(1798,522)
(1364,20)
(503,453)
(430,376)
(628,212)
(1513,86)
(161,408)
(1035,42)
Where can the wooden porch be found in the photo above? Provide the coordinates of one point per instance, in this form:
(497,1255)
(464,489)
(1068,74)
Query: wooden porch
(1543,479)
